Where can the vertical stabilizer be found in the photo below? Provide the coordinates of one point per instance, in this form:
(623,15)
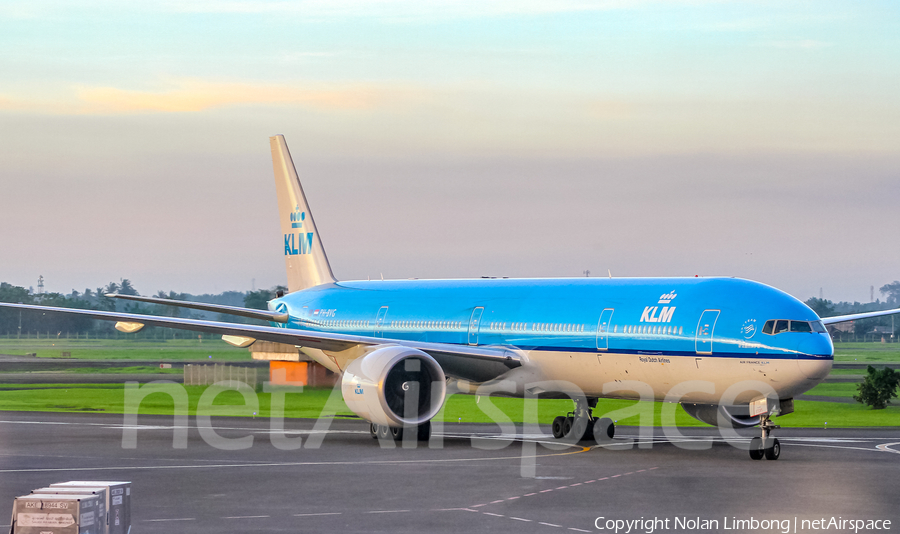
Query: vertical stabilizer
(304,255)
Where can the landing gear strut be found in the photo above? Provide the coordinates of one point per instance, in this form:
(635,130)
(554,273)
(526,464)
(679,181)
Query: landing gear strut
(766,445)
(580,424)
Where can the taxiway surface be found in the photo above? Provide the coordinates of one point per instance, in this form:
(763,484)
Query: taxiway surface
(350,484)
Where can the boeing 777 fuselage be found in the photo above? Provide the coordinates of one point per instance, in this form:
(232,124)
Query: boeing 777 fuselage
(591,332)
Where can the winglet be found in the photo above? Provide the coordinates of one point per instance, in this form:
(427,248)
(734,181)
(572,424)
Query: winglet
(304,256)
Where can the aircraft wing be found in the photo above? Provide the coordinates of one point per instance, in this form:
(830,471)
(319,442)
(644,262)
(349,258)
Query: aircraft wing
(855,316)
(445,353)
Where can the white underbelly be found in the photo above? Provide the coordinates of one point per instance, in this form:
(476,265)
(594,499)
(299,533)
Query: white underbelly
(592,373)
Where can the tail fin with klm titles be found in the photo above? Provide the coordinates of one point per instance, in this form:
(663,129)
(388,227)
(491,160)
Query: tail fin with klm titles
(304,256)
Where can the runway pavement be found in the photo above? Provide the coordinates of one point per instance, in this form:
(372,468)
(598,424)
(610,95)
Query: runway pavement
(350,484)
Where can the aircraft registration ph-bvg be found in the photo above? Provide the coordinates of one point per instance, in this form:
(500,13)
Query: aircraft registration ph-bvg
(399,344)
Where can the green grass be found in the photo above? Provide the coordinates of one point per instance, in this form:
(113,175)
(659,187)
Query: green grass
(866,352)
(464,408)
(811,414)
(807,413)
(60,386)
(126,349)
(131,370)
(469,408)
(112,400)
(193,349)
(848,372)
(309,404)
(839,389)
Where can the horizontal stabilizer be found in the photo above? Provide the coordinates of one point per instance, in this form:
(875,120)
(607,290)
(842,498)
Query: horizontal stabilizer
(220,308)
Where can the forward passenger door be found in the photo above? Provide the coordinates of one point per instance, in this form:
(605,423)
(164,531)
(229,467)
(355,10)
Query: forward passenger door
(703,342)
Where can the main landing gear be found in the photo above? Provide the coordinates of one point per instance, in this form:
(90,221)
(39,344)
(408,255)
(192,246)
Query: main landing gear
(580,424)
(423,431)
(766,445)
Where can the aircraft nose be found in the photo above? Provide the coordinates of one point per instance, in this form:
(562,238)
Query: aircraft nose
(820,347)
(815,369)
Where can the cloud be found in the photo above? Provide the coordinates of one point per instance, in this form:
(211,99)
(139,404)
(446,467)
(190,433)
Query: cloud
(413,9)
(382,9)
(188,96)
(14,104)
(808,44)
(191,96)
(611,109)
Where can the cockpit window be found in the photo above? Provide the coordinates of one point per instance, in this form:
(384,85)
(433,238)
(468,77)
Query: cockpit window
(777,326)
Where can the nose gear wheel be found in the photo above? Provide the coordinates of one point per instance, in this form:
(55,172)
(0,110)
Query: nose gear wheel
(765,446)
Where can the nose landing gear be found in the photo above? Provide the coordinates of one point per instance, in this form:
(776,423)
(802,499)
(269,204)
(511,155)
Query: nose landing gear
(766,445)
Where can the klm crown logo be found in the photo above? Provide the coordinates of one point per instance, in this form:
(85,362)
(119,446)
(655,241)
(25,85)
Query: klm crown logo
(300,242)
(297,218)
(667,297)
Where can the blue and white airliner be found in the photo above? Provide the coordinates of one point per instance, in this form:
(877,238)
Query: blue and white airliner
(400,345)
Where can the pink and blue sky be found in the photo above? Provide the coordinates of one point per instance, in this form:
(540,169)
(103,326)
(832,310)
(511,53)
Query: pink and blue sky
(452,139)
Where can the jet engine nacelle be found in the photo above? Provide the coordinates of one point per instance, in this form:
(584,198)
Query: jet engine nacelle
(733,416)
(394,386)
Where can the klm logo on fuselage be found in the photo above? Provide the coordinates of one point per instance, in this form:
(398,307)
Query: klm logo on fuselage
(665,314)
(299,242)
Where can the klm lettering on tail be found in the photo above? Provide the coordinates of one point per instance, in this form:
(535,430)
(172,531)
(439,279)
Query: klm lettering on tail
(295,244)
(665,315)
(299,243)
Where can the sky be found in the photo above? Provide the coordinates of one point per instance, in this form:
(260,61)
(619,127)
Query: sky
(452,139)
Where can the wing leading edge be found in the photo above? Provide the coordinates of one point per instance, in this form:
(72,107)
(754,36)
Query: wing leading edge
(856,316)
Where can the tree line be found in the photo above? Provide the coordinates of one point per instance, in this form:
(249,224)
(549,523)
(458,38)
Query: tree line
(13,322)
(891,294)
